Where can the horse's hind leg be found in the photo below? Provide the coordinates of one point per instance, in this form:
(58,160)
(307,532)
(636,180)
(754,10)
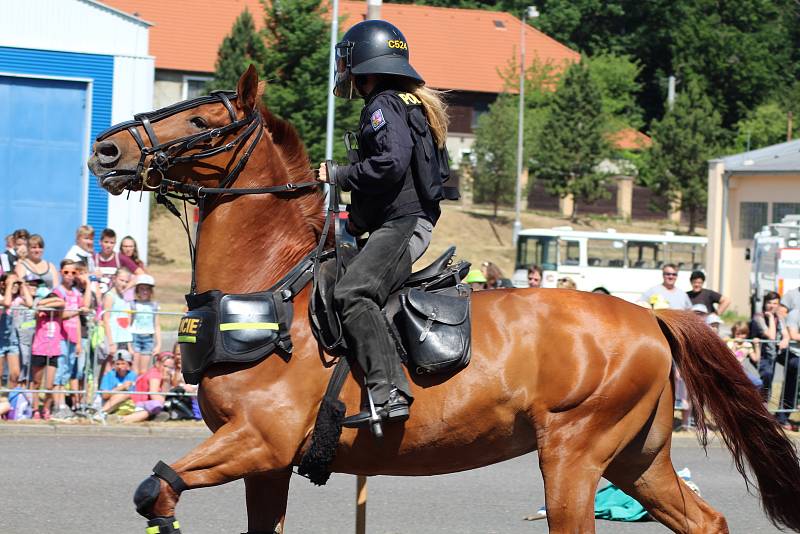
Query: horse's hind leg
(644,471)
(267,495)
(570,481)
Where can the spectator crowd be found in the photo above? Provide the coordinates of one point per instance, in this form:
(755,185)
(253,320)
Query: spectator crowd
(89,325)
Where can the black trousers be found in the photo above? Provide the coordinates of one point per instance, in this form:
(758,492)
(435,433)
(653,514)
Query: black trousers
(380,268)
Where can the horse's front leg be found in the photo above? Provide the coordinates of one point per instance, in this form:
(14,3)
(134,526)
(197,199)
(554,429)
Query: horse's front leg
(233,452)
(267,495)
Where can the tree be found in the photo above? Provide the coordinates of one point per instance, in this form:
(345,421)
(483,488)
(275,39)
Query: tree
(676,167)
(573,143)
(296,66)
(738,51)
(496,135)
(766,125)
(242,47)
(496,153)
(616,78)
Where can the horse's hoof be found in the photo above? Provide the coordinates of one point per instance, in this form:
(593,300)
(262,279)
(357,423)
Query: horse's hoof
(163,525)
(146,495)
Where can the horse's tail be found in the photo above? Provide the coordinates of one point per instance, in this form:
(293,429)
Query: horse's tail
(717,386)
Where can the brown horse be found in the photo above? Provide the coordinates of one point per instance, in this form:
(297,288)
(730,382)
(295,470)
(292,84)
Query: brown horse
(585,379)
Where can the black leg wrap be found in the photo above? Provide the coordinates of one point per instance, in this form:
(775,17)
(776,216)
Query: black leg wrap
(168,475)
(146,495)
(163,525)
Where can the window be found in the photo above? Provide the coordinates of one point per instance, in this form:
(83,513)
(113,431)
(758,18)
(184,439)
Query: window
(570,253)
(194,86)
(782,209)
(538,250)
(645,255)
(605,253)
(686,256)
(478,109)
(752,216)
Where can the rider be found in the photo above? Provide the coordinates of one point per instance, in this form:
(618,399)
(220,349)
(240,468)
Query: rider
(372,63)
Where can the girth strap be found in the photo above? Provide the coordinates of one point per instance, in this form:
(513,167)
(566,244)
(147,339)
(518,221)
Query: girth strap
(168,475)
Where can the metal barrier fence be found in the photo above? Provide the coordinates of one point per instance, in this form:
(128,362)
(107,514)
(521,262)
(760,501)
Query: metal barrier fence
(96,358)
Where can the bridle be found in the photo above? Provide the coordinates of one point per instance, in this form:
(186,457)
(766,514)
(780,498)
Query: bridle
(155,160)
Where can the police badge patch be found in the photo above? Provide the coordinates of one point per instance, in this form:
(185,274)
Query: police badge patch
(377,120)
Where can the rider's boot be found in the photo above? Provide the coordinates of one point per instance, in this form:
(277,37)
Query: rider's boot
(395,409)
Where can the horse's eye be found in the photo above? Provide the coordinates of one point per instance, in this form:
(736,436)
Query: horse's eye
(199,122)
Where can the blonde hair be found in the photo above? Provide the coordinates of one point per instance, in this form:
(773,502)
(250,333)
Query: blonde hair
(435,109)
(84,230)
(566,283)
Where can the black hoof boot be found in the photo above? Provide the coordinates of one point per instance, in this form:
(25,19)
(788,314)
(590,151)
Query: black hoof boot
(163,525)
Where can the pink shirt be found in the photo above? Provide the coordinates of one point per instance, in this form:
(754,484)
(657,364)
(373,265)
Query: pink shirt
(71,328)
(49,334)
(143,384)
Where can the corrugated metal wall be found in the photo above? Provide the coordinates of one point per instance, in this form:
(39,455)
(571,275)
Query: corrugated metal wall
(100,68)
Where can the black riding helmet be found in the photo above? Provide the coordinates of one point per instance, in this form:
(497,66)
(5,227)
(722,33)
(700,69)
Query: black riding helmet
(371,47)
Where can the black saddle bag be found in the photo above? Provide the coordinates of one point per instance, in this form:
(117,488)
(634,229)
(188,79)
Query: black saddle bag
(436,330)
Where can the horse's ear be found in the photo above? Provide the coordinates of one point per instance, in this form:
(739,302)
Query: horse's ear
(248,89)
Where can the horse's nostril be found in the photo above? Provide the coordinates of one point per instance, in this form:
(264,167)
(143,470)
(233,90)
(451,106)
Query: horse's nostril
(107,152)
(108,149)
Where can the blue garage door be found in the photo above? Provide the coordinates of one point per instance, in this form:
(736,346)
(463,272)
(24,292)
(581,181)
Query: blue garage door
(42,138)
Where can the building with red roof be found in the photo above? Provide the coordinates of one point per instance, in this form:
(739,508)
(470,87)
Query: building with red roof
(462,51)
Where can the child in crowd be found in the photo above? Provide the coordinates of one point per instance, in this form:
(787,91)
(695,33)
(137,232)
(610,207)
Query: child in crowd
(83,249)
(109,262)
(118,383)
(46,347)
(117,317)
(9,341)
(88,321)
(25,322)
(72,357)
(744,349)
(157,378)
(146,330)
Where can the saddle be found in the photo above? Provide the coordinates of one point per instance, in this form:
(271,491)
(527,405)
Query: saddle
(428,317)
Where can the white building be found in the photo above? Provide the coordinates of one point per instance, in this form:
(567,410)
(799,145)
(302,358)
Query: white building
(68,70)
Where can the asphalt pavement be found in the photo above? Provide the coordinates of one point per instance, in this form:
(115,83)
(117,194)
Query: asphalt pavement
(83,481)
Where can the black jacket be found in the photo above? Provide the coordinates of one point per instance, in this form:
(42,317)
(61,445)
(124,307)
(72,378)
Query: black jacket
(381,183)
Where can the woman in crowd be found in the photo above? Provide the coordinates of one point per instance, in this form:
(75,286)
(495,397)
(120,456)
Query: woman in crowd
(10,290)
(494,276)
(36,264)
(768,327)
(129,248)
(566,283)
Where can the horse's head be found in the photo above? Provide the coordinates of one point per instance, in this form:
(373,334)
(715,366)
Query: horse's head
(204,138)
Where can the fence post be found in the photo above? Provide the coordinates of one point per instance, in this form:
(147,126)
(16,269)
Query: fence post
(361,504)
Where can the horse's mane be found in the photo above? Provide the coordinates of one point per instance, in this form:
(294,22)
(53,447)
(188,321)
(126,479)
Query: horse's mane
(298,167)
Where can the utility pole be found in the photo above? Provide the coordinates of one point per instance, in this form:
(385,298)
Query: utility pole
(332,79)
(374,9)
(531,12)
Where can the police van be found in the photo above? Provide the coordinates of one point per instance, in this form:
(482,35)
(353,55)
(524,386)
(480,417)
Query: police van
(775,259)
